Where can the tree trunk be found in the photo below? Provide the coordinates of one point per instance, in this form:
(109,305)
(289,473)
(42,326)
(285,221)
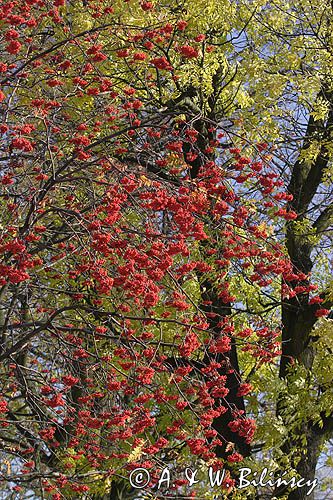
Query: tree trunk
(298,316)
(306,466)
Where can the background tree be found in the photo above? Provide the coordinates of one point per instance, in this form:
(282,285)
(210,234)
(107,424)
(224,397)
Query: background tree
(296,87)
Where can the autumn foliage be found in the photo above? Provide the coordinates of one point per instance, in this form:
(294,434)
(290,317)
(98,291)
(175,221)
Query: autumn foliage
(129,225)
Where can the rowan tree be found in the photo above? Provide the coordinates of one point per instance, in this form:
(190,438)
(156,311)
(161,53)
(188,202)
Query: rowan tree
(142,245)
